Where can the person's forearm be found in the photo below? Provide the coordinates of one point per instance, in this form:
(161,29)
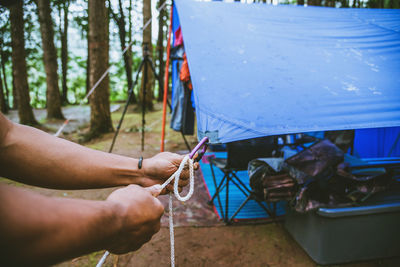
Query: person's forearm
(38,230)
(34,157)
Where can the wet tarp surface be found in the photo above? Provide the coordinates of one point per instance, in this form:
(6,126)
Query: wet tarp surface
(263,70)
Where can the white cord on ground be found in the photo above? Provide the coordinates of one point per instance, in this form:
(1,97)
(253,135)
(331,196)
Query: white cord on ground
(175,176)
(102,260)
(171,230)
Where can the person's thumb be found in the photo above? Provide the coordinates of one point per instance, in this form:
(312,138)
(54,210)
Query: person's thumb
(154,190)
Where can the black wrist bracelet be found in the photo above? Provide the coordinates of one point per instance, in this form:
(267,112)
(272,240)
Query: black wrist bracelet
(140,163)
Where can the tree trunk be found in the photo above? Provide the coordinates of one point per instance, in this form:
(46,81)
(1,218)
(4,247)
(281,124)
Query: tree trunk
(128,54)
(394,3)
(300,2)
(88,57)
(100,117)
(330,3)
(14,89)
(147,89)
(356,3)
(3,69)
(88,67)
(344,3)
(160,48)
(314,2)
(50,60)
(120,21)
(20,76)
(64,53)
(3,105)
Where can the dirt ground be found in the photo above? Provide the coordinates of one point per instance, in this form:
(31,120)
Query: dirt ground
(200,238)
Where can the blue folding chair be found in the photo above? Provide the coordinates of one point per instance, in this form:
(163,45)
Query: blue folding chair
(239,154)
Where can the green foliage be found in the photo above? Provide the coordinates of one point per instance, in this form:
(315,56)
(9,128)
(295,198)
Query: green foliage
(118,83)
(81,17)
(36,79)
(383,4)
(288,2)
(77,61)
(5,46)
(77,79)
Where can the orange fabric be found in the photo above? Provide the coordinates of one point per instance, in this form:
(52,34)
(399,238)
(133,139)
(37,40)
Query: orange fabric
(166,79)
(185,74)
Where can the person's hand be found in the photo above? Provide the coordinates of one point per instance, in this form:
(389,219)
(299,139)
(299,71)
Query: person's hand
(160,167)
(139,212)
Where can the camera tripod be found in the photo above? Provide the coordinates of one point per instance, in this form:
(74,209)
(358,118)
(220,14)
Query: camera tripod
(143,64)
(146,60)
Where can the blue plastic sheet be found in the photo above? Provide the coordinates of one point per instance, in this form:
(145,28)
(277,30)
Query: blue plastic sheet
(377,143)
(262,70)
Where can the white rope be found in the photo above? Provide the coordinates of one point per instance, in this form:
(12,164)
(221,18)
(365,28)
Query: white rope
(175,176)
(102,260)
(59,131)
(171,230)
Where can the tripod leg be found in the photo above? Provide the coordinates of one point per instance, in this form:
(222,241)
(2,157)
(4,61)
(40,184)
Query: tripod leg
(144,99)
(160,84)
(125,108)
(186,142)
(169,105)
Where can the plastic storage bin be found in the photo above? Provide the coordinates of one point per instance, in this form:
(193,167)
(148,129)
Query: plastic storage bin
(339,235)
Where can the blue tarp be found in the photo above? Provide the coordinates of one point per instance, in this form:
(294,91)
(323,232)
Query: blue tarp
(377,143)
(174,63)
(262,70)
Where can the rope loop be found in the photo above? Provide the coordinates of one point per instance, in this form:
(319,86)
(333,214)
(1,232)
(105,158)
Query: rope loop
(191,179)
(176,176)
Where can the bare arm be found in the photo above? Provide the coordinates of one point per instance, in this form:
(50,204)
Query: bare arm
(37,230)
(34,157)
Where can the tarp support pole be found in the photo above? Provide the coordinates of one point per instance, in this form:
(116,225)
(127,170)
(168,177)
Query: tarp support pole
(166,84)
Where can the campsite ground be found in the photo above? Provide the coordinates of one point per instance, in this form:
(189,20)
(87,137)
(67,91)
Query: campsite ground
(201,239)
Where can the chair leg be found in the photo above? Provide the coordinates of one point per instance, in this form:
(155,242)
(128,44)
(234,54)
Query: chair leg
(270,214)
(211,202)
(219,188)
(272,207)
(250,195)
(242,184)
(224,183)
(244,191)
(226,198)
(238,209)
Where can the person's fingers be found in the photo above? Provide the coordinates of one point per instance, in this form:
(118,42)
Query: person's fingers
(196,166)
(154,190)
(169,187)
(183,182)
(180,188)
(176,158)
(185,174)
(159,209)
(195,155)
